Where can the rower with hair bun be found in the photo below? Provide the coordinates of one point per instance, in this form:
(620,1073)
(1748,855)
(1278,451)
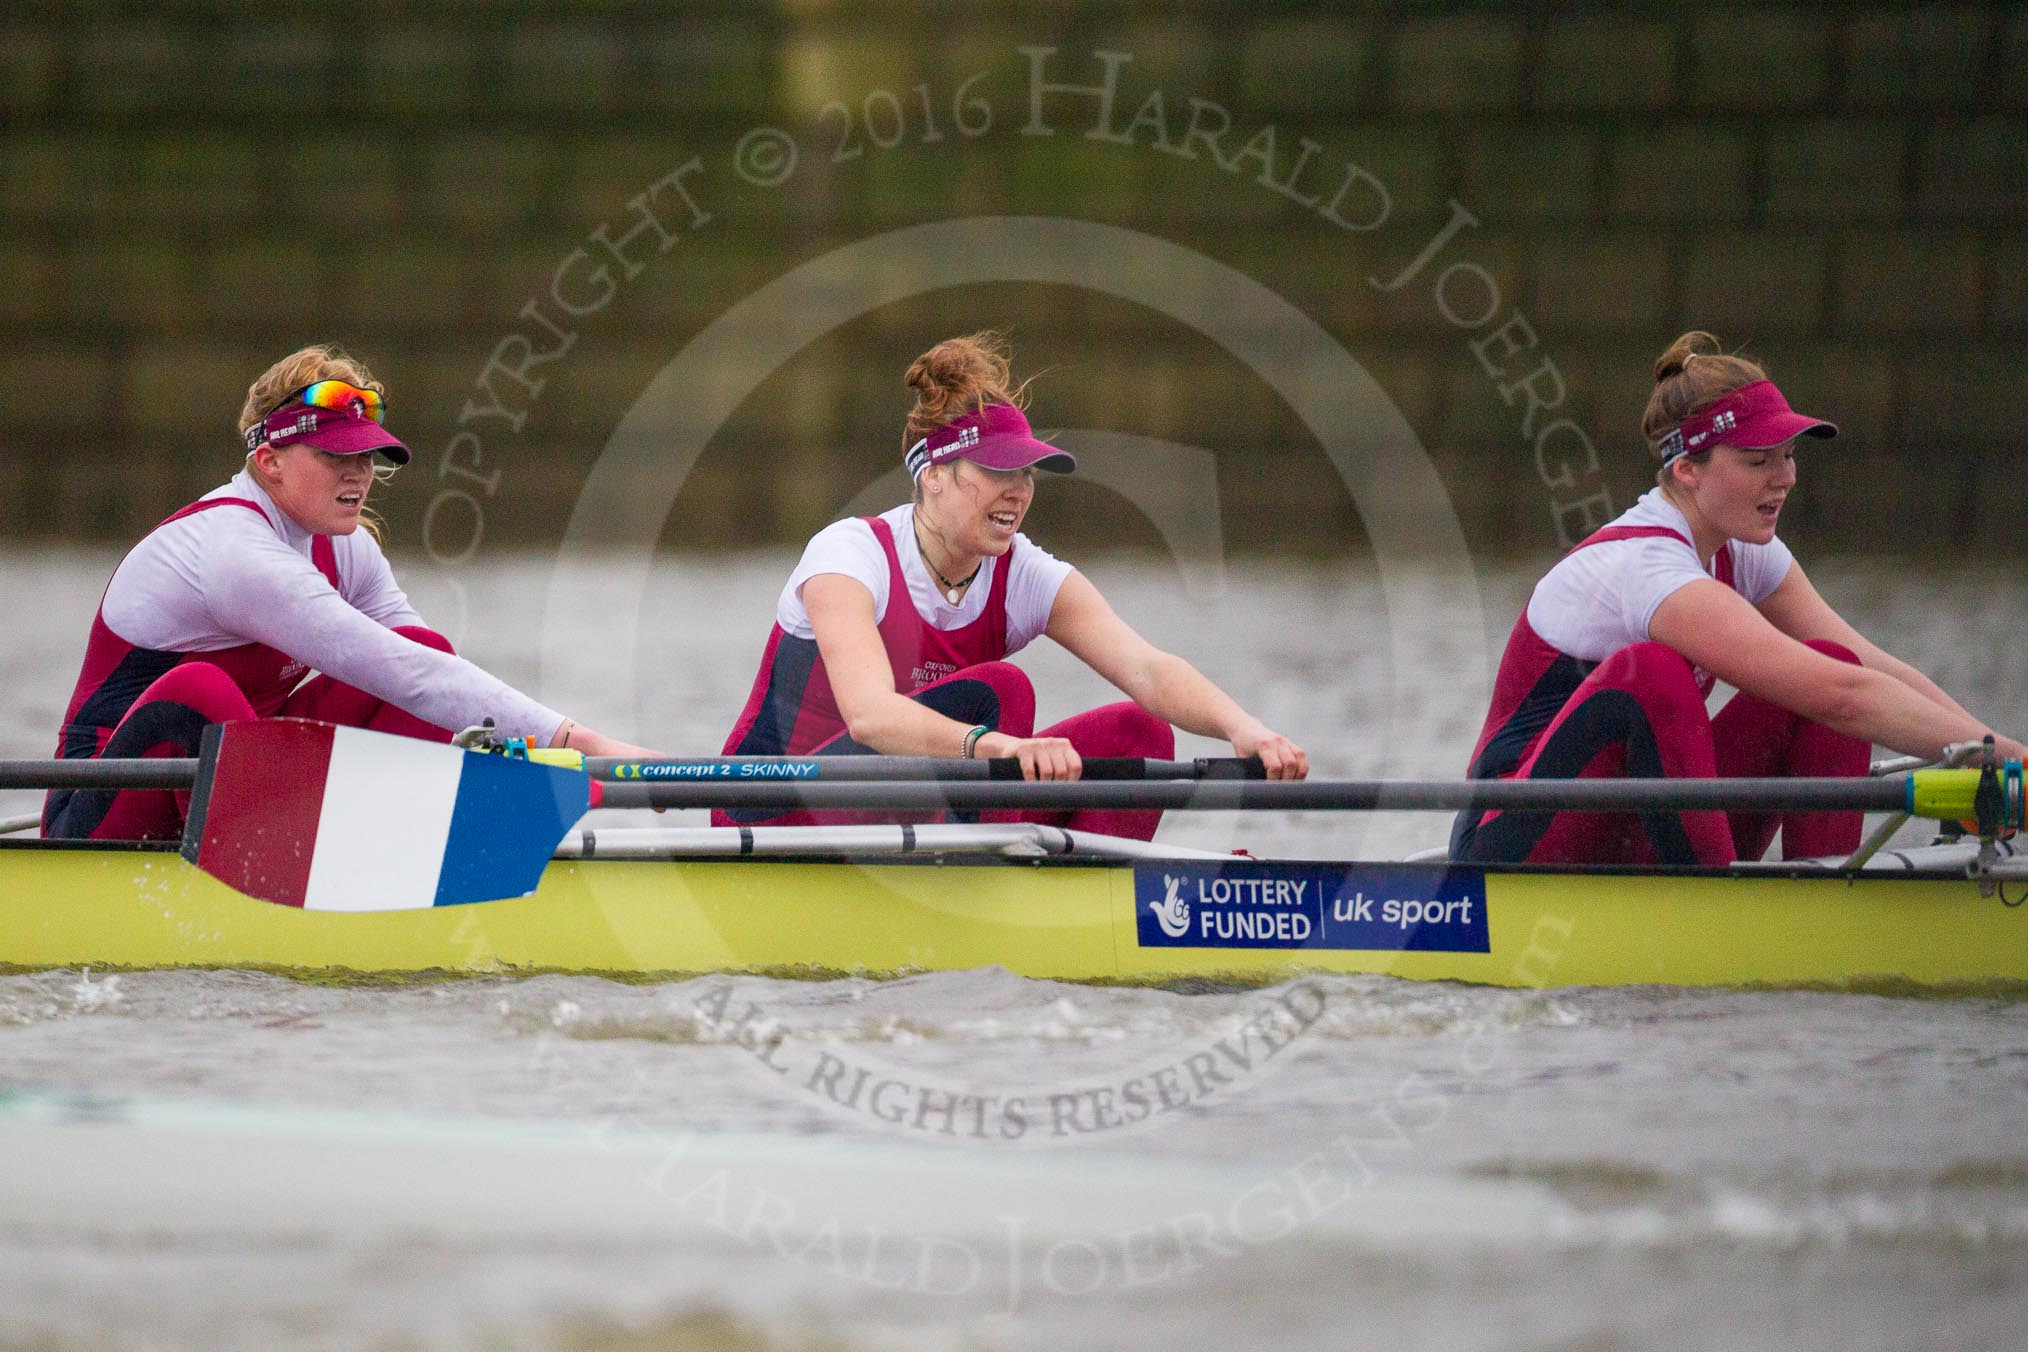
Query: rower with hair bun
(892,631)
(223,609)
(1607,670)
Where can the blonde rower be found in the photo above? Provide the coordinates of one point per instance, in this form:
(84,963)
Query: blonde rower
(222,610)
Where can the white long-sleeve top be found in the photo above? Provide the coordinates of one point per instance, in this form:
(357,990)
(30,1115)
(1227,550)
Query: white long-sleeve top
(225,577)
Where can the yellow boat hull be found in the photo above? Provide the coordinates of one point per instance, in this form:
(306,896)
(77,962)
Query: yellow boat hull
(1070,920)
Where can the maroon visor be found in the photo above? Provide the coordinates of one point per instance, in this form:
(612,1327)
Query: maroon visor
(1752,417)
(996,436)
(341,431)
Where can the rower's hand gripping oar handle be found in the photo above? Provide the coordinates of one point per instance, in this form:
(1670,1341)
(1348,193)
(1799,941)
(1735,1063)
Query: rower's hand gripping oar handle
(1136,767)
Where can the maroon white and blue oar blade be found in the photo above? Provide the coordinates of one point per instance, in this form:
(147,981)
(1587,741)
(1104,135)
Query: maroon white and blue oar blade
(340,819)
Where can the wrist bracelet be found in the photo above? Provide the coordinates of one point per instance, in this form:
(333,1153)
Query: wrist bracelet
(972,736)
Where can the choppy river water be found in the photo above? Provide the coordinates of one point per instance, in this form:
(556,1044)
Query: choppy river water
(1414,1165)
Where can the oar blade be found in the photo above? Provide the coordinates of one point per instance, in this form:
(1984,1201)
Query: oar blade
(511,815)
(340,819)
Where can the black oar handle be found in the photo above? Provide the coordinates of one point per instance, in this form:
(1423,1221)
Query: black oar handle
(1133,767)
(721,770)
(172,772)
(1537,795)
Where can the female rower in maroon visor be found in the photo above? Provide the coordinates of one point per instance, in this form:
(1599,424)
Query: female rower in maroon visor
(1607,670)
(221,611)
(891,633)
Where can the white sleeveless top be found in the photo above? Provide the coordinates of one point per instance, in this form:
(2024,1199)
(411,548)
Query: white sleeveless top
(849,547)
(1600,599)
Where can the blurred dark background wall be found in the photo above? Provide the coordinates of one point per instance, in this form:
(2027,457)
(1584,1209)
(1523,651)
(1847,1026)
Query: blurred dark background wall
(195,190)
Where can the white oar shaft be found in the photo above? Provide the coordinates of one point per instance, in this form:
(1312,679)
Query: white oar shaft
(1015,838)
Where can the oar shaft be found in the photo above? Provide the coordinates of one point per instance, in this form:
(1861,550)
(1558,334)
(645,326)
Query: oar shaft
(1600,795)
(174,772)
(1170,785)
(181,773)
(885,769)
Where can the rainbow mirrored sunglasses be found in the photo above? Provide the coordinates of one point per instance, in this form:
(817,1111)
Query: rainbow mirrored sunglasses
(340,395)
(328,397)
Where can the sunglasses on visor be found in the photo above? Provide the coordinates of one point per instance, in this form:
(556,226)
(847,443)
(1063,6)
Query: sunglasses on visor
(337,394)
